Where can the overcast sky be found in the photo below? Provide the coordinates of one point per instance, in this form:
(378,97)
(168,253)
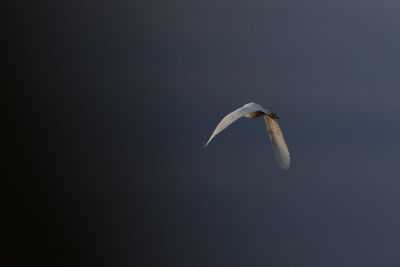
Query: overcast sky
(122,95)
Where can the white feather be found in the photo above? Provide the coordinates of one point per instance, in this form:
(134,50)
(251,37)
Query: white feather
(279,147)
(234,116)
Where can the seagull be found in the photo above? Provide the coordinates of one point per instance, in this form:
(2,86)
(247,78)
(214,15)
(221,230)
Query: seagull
(254,110)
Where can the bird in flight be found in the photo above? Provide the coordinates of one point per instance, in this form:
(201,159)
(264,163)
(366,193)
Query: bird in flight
(254,110)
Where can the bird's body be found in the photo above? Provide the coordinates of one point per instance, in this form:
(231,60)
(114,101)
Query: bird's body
(254,114)
(254,110)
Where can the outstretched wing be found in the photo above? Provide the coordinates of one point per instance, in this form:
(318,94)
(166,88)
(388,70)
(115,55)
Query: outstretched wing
(234,116)
(279,147)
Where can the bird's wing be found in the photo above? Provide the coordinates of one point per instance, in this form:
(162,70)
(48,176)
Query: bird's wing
(234,116)
(279,147)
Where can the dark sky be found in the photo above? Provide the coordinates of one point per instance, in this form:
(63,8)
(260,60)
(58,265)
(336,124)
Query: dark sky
(113,100)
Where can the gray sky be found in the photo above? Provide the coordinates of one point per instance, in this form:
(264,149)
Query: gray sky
(125,94)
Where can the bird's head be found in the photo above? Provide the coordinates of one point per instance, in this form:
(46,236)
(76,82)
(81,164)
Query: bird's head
(273,116)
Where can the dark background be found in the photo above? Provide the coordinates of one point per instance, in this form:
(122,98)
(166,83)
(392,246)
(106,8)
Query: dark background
(110,103)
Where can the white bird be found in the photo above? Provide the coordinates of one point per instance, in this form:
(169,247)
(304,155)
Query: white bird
(253,110)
